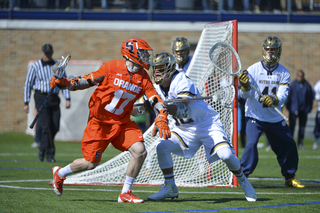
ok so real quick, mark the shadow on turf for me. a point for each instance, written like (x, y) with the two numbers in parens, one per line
(221, 200)
(280, 184)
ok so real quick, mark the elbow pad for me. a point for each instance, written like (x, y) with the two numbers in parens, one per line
(140, 111)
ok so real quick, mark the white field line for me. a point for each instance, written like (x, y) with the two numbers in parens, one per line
(77, 155)
(36, 154)
(146, 191)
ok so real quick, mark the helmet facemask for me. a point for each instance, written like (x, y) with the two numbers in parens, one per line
(165, 64)
(144, 56)
(137, 51)
(273, 46)
(181, 49)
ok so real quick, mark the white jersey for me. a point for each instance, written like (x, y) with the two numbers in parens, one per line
(317, 94)
(185, 66)
(269, 82)
(200, 114)
(201, 127)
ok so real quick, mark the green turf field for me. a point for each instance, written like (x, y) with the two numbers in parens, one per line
(24, 185)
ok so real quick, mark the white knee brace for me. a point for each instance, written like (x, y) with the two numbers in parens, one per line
(164, 154)
(230, 159)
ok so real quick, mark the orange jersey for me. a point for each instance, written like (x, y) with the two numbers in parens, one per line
(113, 99)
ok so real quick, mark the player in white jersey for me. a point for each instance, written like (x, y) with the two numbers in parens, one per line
(197, 123)
(317, 126)
(181, 50)
(272, 79)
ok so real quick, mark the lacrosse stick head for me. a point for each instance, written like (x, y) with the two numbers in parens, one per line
(225, 58)
(59, 67)
(225, 96)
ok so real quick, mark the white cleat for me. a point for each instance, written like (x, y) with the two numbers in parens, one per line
(35, 145)
(315, 146)
(128, 197)
(249, 191)
(166, 191)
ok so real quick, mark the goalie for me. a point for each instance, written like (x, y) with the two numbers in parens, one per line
(119, 84)
(197, 124)
(272, 79)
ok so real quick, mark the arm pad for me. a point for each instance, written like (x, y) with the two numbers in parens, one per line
(140, 111)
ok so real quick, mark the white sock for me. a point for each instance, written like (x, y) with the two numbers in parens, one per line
(63, 172)
(128, 182)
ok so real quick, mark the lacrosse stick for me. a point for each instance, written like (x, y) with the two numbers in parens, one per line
(224, 96)
(222, 51)
(57, 70)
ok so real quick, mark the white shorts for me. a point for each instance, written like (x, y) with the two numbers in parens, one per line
(190, 142)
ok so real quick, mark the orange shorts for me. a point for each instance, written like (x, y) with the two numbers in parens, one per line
(97, 137)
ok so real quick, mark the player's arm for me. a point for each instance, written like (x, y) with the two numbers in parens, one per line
(178, 110)
(30, 80)
(161, 111)
(139, 110)
(281, 96)
(244, 79)
(317, 95)
(79, 82)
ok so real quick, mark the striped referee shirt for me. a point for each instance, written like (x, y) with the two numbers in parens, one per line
(38, 78)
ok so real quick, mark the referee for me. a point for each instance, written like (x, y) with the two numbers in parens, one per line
(38, 79)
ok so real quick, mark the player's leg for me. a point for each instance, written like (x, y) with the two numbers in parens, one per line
(249, 159)
(283, 145)
(37, 132)
(54, 104)
(127, 140)
(303, 117)
(225, 154)
(45, 123)
(292, 121)
(220, 147)
(139, 154)
(78, 165)
(92, 149)
(60, 173)
(164, 150)
(316, 131)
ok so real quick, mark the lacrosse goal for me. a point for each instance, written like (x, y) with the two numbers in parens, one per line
(194, 172)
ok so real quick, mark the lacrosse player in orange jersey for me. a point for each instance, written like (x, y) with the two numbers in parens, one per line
(119, 84)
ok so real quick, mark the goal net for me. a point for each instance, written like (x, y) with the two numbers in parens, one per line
(194, 172)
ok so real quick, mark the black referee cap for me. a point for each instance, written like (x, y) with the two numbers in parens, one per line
(47, 48)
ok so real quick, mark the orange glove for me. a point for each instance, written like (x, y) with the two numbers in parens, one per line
(60, 82)
(161, 125)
